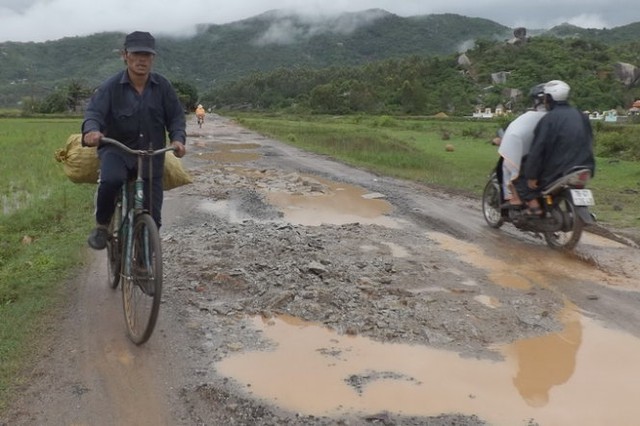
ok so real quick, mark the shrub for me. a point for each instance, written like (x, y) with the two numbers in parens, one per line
(621, 142)
(384, 121)
(474, 132)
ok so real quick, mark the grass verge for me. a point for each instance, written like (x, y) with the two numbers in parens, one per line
(44, 221)
(416, 149)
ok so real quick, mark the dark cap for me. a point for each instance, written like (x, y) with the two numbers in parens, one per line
(139, 41)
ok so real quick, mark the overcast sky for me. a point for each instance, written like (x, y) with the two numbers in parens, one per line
(41, 20)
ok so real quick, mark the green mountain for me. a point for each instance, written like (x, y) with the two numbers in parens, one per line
(222, 53)
(618, 35)
(219, 54)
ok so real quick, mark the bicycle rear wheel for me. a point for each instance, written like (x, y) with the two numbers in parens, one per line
(142, 287)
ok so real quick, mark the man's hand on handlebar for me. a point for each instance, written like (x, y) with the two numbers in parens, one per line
(92, 138)
(180, 149)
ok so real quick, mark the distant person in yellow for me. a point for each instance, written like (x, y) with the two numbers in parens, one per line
(200, 114)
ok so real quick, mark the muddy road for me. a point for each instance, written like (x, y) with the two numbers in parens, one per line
(301, 291)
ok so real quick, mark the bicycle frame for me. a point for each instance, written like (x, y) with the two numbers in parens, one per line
(134, 253)
(128, 212)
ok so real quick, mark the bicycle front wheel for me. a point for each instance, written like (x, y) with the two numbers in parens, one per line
(114, 251)
(142, 287)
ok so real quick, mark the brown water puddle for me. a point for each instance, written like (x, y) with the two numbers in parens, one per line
(563, 378)
(232, 153)
(527, 267)
(585, 374)
(338, 204)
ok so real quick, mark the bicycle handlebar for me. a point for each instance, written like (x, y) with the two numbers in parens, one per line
(143, 152)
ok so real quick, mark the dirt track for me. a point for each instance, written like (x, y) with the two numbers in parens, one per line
(301, 291)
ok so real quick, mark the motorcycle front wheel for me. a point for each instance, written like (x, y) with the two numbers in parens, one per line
(572, 225)
(491, 201)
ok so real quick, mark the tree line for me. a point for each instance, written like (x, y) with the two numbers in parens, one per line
(422, 85)
(413, 85)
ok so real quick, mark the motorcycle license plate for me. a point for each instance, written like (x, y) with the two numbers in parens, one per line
(582, 197)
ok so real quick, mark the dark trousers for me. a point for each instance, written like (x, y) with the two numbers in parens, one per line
(114, 172)
(525, 193)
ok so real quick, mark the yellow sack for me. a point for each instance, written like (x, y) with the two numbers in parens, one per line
(174, 175)
(81, 165)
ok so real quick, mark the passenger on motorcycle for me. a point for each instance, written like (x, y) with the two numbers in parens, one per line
(563, 139)
(516, 143)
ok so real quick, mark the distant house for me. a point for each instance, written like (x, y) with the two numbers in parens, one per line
(611, 116)
(595, 115)
(635, 108)
(483, 113)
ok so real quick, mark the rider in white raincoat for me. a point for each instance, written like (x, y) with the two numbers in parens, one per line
(516, 142)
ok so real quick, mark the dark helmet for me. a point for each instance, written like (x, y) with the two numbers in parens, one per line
(537, 95)
(537, 92)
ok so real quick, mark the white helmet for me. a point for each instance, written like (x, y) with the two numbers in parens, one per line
(558, 90)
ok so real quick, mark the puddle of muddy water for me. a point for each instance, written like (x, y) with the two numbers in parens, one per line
(585, 375)
(335, 204)
(230, 156)
(232, 153)
(339, 204)
(525, 268)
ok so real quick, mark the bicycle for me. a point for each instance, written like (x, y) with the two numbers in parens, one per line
(134, 253)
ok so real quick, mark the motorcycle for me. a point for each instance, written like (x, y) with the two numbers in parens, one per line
(565, 204)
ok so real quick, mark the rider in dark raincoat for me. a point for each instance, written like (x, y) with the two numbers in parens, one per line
(563, 139)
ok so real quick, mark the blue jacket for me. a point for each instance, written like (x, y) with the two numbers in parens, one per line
(140, 121)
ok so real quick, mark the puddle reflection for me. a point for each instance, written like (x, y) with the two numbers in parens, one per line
(546, 361)
(562, 378)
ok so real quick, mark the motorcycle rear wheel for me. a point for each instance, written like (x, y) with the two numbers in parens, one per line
(491, 201)
(565, 240)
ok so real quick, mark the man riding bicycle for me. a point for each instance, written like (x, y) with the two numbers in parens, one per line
(137, 107)
(200, 114)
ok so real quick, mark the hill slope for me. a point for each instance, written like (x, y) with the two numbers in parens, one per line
(218, 54)
(221, 53)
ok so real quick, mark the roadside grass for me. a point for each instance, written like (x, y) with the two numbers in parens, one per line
(414, 149)
(408, 149)
(44, 220)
